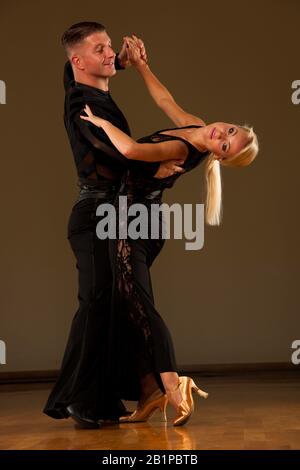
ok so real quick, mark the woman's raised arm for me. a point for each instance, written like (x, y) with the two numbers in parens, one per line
(159, 92)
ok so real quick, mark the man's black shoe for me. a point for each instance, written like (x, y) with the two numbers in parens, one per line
(83, 416)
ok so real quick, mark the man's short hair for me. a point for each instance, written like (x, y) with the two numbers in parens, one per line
(78, 32)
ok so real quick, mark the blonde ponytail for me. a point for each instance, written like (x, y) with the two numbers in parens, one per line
(213, 208)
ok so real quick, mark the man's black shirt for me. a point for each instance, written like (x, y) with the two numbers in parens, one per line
(95, 157)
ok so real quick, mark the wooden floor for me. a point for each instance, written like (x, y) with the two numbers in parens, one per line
(258, 412)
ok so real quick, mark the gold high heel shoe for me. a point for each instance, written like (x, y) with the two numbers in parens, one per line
(186, 407)
(157, 400)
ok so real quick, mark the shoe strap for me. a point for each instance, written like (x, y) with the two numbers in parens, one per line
(176, 388)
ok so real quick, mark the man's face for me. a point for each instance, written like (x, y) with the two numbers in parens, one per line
(95, 56)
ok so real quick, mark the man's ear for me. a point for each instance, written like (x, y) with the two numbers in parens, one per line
(76, 62)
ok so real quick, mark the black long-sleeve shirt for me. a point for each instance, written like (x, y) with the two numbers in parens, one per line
(96, 158)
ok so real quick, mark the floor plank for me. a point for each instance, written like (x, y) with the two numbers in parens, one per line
(258, 412)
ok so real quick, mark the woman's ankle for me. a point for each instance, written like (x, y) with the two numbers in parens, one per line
(170, 381)
(148, 395)
(148, 386)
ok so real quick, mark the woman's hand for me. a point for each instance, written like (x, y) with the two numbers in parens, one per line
(140, 43)
(123, 56)
(134, 53)
(91, 117)
(169, 168)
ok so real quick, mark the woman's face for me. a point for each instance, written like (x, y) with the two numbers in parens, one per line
(224, 139)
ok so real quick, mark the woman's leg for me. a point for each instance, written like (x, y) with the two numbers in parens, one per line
(154, 346)
(144, 252)
(170, 381)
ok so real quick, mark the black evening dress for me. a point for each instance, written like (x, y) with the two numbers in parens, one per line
(140, 342)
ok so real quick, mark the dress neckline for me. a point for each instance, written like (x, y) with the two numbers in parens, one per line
(161, 132)
(174, 128)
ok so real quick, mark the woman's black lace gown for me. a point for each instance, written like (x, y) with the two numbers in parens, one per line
(140, 342)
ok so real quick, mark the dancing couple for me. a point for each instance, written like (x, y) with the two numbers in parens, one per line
(119, 347)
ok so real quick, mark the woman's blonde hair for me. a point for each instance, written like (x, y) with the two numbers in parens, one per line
(213, 208)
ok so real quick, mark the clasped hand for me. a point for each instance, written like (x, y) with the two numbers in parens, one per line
(132, 52)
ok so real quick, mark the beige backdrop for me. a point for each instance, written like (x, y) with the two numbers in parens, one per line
(234, 301)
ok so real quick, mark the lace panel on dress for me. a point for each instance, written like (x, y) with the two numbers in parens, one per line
(127, 289)
(133, 305)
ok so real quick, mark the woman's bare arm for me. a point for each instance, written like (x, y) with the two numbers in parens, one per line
(152, 152)
(165, 100)
(159, 92)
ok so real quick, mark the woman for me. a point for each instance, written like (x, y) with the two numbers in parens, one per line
(151, 373)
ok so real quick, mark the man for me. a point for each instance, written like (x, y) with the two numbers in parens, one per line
(82, 389)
